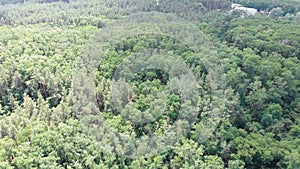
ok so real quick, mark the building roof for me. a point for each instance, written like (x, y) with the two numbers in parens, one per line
(233, 5)
(249, 11)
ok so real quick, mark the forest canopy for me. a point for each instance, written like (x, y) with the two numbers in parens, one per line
(149, 84)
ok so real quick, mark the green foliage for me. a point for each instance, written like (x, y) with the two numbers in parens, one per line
(47, 87)
(288, 6)
(269, 35)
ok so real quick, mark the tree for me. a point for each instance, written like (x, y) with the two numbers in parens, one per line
(276, 12)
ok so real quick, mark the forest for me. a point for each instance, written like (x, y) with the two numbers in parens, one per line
(166, 84)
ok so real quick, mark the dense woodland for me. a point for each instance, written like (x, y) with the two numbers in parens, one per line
(47, 63)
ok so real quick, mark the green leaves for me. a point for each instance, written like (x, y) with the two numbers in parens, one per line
(42, 95)
(264, 36)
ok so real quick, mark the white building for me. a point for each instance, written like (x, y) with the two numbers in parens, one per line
(246, 11)
(233, 5)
